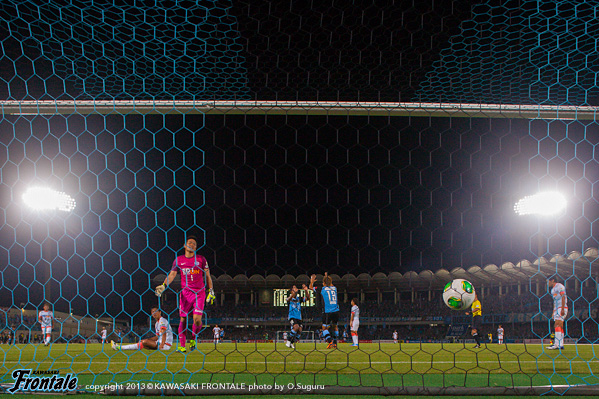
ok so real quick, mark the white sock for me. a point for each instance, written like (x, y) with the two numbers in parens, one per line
(47, 341)
(130, 347)
(559, 339)
(355, 339)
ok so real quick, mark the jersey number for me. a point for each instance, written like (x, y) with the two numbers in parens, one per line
(332, 297)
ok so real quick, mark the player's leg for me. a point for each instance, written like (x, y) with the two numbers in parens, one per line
(198, 313)
(186, 302)
(289, 341)
(326, 335)
(296, 331)
(182, 334)
(558, 323)
(354, 333)
(476, 337)
(48, 335)
(559, 334)
(151, 343)
(334, 319)
(196, 329)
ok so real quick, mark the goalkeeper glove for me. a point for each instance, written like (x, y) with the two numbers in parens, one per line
(160, 289)
(211, 297)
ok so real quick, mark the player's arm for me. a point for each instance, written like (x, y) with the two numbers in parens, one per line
(167, 281)
(351, 321)
(163, 338)
(307, 291)
(312, 281)
(293, 294)
(563, 304)
(209, 280)
(210, 297)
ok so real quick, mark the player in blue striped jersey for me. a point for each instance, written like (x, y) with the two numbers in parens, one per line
(330, 317)
(295, 314)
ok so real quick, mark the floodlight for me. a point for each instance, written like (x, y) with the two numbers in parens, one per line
(42, 198)
(544, 204)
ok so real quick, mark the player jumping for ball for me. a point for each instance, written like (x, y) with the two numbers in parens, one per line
(330, 316)
(295, 315)
(560, 311)
(163, 340)
(193, 290)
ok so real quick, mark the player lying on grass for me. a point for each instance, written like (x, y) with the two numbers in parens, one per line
(162, 341)
(192, 298)
(330, 317)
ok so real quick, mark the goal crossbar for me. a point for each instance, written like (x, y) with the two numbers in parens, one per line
(419, 109)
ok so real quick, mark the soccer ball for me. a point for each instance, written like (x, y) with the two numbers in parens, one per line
(459, 294)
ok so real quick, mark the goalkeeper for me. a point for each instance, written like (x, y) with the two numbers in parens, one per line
(193, 290)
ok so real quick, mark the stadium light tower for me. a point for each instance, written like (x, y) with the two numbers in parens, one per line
(42, 199)
(545, 204)
(541, 204)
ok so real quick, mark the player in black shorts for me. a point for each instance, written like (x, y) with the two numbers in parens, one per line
(477, 318)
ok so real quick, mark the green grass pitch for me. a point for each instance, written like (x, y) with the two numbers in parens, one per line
(382, 364)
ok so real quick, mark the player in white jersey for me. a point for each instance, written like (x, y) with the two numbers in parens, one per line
(216, 331)
(354, 322)
(395, 336)
(103, 335)
(45, 319)
(163, 340)
(560, 311)
(285, 336)
(500, 334)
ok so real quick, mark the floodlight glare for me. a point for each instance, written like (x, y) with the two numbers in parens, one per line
(545, 204)
(41, 198)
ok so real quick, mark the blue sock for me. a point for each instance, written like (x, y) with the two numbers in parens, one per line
(326, 335)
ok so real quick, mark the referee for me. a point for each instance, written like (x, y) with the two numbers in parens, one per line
(477, 318)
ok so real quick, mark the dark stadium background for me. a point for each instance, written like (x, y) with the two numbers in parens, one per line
(291, 194)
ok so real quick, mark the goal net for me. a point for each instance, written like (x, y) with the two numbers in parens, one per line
(385, 145)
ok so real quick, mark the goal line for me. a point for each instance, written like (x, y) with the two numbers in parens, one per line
(417, 109)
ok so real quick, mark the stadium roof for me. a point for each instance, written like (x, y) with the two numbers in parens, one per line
(575, 264)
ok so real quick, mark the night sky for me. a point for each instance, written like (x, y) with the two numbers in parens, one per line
(270, 194)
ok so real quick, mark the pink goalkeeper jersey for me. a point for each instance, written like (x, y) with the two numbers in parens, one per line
(192, 272)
